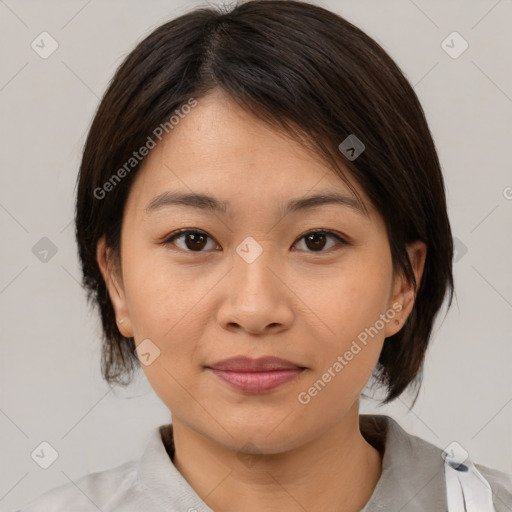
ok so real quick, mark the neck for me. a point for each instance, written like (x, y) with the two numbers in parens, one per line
(338, 470)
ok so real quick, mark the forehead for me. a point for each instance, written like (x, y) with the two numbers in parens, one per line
(222, 150)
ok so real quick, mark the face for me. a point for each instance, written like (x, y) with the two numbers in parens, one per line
(312, 285)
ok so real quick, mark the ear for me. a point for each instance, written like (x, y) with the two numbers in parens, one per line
(114, 283)
(403, 295)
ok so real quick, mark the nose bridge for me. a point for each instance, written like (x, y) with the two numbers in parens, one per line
(253, 262)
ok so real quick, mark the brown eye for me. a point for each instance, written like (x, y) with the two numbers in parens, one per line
(315, 241)
(191, 240)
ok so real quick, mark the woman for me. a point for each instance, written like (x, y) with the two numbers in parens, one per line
(261, 221)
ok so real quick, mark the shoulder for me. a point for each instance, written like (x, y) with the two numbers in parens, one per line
(89, 493)
(145, 483)
(414, 471)
(501, 485)
(500, 482)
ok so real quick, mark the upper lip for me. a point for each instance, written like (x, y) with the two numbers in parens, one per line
(247, 364)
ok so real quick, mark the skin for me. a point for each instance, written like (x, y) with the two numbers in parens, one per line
(293, 302)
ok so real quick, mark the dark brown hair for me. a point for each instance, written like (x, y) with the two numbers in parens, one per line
(313, 75)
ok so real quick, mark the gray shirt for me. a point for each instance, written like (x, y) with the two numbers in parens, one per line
(412, 479)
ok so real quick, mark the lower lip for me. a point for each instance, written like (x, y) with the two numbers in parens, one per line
(257, 382)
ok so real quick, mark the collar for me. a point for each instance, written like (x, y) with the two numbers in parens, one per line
(412, 478)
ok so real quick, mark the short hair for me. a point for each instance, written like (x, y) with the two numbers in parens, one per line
(311, 74)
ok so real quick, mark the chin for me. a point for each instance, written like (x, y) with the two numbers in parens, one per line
(260, 438)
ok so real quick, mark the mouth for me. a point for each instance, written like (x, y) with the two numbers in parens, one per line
(255, 375)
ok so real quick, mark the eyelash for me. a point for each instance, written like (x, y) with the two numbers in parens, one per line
(177, 234)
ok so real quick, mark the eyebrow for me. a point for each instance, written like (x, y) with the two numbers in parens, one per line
(209, 203)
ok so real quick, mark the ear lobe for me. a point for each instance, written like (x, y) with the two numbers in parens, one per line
(115, 289)
(404, 295)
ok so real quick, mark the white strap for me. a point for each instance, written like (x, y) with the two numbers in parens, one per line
(467, 490)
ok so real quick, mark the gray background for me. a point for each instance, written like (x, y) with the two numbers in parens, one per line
(51, 388)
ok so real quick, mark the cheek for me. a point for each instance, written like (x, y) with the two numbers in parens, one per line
(348, 358)
(160, 298)
(353, 306)
(165, 308)
(355, 298)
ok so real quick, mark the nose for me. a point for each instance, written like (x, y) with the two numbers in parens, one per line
(256, 298)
